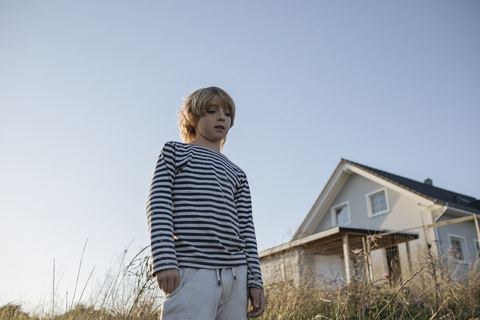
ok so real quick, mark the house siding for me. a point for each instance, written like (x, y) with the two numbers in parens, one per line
(283, 266)
(327, 269)
(404, 212)
(465, 230)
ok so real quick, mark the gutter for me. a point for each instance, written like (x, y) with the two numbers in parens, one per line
(445, 208)
(453, 206)
(437, 235)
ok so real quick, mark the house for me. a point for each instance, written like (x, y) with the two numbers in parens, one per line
(415, 220)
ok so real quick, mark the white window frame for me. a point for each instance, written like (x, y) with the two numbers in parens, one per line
(465, 260)
(334, 214)
(369, 202)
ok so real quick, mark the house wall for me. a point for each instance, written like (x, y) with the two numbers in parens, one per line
(327, 269)
(404, 212)
(283, 266)
(405, 259)
(331, 267)
(379, 263)
(464, 230)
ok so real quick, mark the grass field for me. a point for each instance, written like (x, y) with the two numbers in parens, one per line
(435, 291)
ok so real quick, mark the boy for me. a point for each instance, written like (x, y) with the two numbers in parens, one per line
(199, 213)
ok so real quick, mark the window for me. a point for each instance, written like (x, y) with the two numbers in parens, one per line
(340, 215)
(457, 244)
(377, 202)
(478, 248)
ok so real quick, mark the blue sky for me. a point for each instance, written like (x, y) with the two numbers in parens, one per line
(89, 93)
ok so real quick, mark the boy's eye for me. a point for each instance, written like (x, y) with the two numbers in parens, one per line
(210, 111)
(227, 114)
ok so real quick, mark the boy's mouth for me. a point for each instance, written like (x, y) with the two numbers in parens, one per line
(220, 127)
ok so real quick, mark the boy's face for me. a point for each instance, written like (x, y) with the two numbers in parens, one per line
(215, 124)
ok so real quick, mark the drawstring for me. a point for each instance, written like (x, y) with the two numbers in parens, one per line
(218, 277)
(234, 271)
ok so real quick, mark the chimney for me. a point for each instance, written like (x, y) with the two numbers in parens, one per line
(428, 181)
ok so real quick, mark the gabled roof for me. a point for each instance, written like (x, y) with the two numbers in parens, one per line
(423, 189)
(419, 190)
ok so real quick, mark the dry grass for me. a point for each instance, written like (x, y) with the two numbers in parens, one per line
(437, 290)
(126, 293)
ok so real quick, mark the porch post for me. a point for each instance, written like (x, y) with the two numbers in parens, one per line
(346, 256)
(476, 226)
(368, 257)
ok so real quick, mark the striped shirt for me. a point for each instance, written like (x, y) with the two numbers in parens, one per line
(200, 214)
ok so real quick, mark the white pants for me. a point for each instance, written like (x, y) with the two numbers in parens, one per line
(200, 297)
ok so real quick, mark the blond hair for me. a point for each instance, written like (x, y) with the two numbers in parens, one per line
(195, 106)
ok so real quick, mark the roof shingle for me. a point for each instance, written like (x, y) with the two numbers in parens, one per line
(429, 191)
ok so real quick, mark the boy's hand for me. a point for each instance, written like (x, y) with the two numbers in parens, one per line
(257, 300)
(168, 280)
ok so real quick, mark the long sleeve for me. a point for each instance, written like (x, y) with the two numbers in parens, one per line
(243, 203)
(160, 211)
(200, 214)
